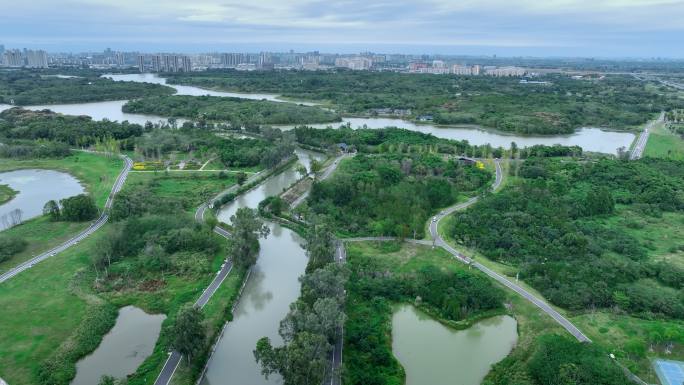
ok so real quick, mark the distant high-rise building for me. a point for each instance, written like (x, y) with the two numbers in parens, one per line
(157, 63)
(141, 63)
(119, 58)
(13, 58)
(36, 59)
(187, 64)
(2, 49)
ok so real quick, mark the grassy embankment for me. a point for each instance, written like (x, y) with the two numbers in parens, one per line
(663, 143)
(97, 173)
(6, 193)
(57, 316)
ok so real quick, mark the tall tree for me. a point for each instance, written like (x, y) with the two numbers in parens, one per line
(248, 228)
(301, 362)
(188, 333)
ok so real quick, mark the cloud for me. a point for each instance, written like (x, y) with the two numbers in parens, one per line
(627, 27)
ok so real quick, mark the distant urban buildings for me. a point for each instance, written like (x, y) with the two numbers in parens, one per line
(241, 61)
(24, 58)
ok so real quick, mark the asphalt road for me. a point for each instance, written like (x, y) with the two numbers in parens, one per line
(175, 358)
(438, 241)
(325, 175)
(640, 145)
(118, 184)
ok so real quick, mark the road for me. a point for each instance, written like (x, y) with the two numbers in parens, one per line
(325, 175)
(438, 241)
(118, 184)
(175, 358)
(641, 142)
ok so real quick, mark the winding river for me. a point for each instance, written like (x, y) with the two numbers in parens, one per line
(36, 187)
(590, 139)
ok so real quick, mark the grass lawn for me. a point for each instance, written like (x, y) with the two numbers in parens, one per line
(41, 309)
(628, 338)
(662, 143)
(6, 193)
(96, 172)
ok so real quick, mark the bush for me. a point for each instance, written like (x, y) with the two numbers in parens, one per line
(10, 246)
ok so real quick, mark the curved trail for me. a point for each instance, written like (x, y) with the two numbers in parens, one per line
(104, 217)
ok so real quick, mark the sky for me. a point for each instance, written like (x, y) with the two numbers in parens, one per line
(570, 28)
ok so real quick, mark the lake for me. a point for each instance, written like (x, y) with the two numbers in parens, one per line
(35, 188)
(123, 349)
(434, 354)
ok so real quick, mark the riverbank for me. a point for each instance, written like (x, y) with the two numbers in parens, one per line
(97, 173)
(7, 193)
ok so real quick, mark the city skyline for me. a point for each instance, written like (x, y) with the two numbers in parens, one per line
(567, 28)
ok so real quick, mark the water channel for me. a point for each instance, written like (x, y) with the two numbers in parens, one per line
(123, 349)
(272, 286)
(590, 139)
(36, 187)
(434, 354)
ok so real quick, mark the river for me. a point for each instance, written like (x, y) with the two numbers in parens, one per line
(35, 188)
(272, 286)
(123, 349)
(590, 139)
(434, 354)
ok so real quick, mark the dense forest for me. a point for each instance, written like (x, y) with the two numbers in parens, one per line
(392, 139)
(561, 105)
(392, 194)
(550, 225)
(47, 126)
(377, 282)
(557, 360)
(27, 87)
(235, 111)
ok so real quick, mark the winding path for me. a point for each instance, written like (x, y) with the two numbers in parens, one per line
(104, 217)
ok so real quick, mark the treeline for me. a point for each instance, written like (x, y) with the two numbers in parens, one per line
(375, 285)
(560, 106)
(557, 360)
(18, 123)
(232, 151)
(392, 139)
(236, 112)
(314, 322)
(392, 194)
(549, 224)
(28, 87)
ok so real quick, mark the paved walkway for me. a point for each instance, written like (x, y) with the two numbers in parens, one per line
(104, 217)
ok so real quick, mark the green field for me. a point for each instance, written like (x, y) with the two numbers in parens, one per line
(53, 301)
(41, 308)
(193, 188)
(662, 143)
(97, 173)
(6, 193)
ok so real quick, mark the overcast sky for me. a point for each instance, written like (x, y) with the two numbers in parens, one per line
(597, 28)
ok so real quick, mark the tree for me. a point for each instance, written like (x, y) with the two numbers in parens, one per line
(315, 166)
(241, 178)
(51, 209)
(320, 246)
(78, 208)
(301, 362)
(188, 333)
(107, 380)
(10, 245)
(248, 228)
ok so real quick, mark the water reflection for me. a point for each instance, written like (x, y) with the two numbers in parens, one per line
(434, 354)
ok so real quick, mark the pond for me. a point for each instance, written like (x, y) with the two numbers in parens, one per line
(123, 349)
(434, 354)
(35, 188)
